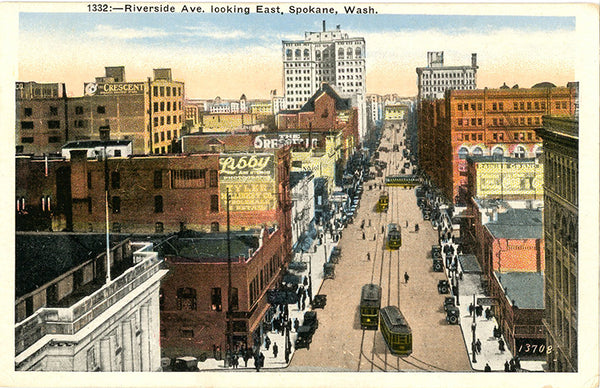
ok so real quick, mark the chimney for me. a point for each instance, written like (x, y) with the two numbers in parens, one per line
(474, 60)
(323, 25)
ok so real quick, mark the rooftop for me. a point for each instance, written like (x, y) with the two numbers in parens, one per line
(95, 143)
(524, 290)
(297, 176)
(469, 264)
(340, 103)
(517, 224)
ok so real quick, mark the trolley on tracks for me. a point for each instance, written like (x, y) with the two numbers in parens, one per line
(396, 331)
(394, 237)
(370, 303)
(383, 203)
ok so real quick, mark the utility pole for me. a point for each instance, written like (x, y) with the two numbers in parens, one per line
(108, 279)
(229, 311)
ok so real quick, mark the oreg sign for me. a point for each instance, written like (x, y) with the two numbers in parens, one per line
(113, 88)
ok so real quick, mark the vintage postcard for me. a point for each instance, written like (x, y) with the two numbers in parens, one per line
(300, 194)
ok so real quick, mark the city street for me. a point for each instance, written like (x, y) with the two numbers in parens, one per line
(339, 343)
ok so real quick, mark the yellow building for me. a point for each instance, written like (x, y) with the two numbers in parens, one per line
(394, 111)
(506, 178)
(261, 108)
(321, 163)
(226, 122)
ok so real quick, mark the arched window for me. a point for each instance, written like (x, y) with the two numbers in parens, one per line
(463, 152)
(539, 152)
(318, 55)
(477, 151)
(349, 53)
(498, 151)
(341, 53)
(358, 52)
(306, 53)
(288, 54)
(297, 54)
(519, 152)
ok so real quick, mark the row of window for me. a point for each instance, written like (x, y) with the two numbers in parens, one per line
(443, 89)
(444, 82)
(51, 124)
(261, 280)
(162, 136)
(341, 54)
(474, 121)
(519, 152)
(162, 107)
(517, 105)
(51, 139)
(499, 136)
(448, 75)
(166, 91)
(165, 119)
(179, 178)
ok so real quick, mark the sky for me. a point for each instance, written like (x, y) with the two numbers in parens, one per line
(229, 54)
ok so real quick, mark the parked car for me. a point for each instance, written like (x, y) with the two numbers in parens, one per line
(443, 286)
(452, 315)
(185, 364)
(319, 301)
(304, 337)
(449, 302)
(310, 320)
(438, 265)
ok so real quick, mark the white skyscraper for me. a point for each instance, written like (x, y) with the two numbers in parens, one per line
(435, 79)
(326, 56)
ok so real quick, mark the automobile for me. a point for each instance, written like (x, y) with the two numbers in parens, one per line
(452, 315)
(436, 252)
(438, 265)
(310, 320)
(443, 286)
(304, 337)
(426, 214)
(185, 364)
(449, 302)
(319, 301)
(396, 148)
(407, 165)
(336, 253)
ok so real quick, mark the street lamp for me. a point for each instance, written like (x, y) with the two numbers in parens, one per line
(473, 328)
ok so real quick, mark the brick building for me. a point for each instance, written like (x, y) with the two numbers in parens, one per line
(194, 296)
(483, 123)
(149, 113)
(561, 220)
(42, 124)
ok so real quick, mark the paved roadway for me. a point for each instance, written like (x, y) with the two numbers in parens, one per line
(339, 344)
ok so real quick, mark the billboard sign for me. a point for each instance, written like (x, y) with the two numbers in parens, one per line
(250, 179)
(113, 88)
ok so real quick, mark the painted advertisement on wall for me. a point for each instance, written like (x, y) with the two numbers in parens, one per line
(250, 179)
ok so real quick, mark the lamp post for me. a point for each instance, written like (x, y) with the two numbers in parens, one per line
(473, 328)
(229, 311)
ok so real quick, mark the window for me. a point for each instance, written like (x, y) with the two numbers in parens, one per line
(214, 203)
(477, 151)
(500, 121)
(53, 124)
(169, 104)
(162, 106)
(155, 91)
(215, 299)
(162, 120)
(479, 122)
(157, 179)
(116, 205)
(536, 105)
(181, 179)
(156, 107)
(543, 104)
(116, 227)
(466, 106)
(101, 109)
(463, 152)
(187, 333)
(159, 227)
(516, 106)
(460, 123)
(115, 180)
(27, 140)
(213, 178)
(529, 121)
(54, 139)
(156, 137)
(89, 180)
(500, 106)
(186, 298)
(214, 227)
(26, 124)
(522, 105)
(155, 121)
(168, 91)
(158, 204)
(494, 122)
(79, 123)
(162, 91)
(519, 152)
(27, 112)
(498, 151)
(557, 105)
(234, 299)
(460, 106)
(89, 202)
(564, 105)
(473, 106)
(92, 365)
(473, 122)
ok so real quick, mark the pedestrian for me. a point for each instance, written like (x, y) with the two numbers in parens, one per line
(257, 362)
(417, 228)
(495, 332)
(517, 362)
(246, 358)
(511, 365)
(478, 345)
(479, 310)
(303, 304)
(407, 223)
(501, 345)
(460, 275)
(214, 351)
(234, 361)
(368, 256)
(382, 229)
(406, 277)
(296, 324)
(506, 366)
(470, 309)
(261, 359)
(275, 349)
(487, 313)
(267, 342)
(487, 368)
(363, 235)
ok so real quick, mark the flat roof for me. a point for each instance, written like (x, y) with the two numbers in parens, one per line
(517, 224)
(526, 289)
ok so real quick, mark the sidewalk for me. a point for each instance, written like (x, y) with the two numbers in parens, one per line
(317, 260)
(490, 352)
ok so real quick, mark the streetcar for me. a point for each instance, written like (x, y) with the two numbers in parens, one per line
(370, 302)
(406, 181)
(395, 331)
(383, 203)
(394, 237)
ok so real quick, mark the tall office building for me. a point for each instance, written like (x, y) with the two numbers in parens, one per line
(561, 215)
(325, 56)
(435, 79)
